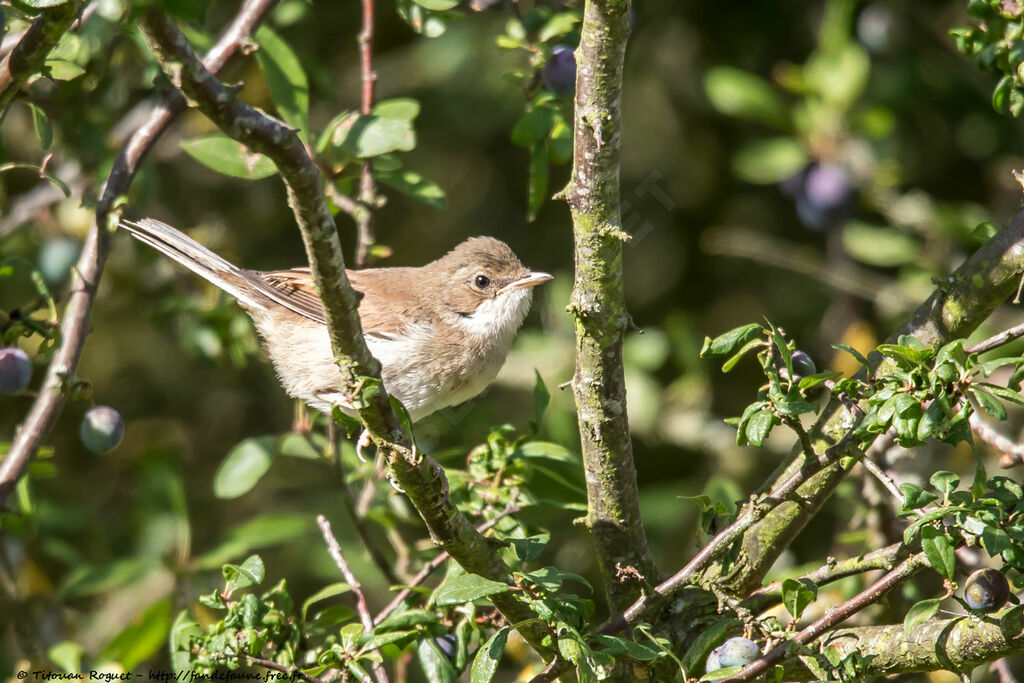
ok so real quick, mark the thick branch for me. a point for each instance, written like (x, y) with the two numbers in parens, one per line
(598, 306)
(958, 644)
(29, 55)
(421, 477)
(954, 310)
(88, 270)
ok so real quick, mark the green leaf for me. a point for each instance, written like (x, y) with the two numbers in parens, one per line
(939, 551)
(437, 5)
(731, 341)
(919, 613)
(289, 88)
(538, 188)
(541, 399)
(249, 573)
(366, 136)
(744, 95)
(95, 579)
(916, 497)
(811, 381)
(263, 531)
(558, 25)
(414, 185)
(436, 667)
(467, 588)
(879, 246)
(1001, 93)
(855, 353)
(725, 672)
(407, 619)
(41, 125)
(1004, 393)
(770, 160)
(529, 549)
(989, 403)
(404, 108)
(945, 481)
(324, 593)
(485, 663)
(994, 540)
(731, 363)
(54, 180)
(227, 156)
(533, 127)
(760, 426)
(797, 594)
(67, 655)
(243, 467)
(143, 638)
(910, 533)
(63, 70)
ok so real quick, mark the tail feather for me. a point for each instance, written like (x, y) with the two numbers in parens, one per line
(197, 258)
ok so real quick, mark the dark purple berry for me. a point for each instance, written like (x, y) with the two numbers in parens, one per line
(102, 429)
(986, 590)
(738, 651)
(559, 74)
(446, 644)
(803, 365)
(824, 193)
(15, 371)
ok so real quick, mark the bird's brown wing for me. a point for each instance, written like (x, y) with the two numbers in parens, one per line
(390, 304)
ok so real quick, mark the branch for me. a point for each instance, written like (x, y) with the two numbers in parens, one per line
(1013, 452)
(613, 514)
(953, 311)
(367, 189)
(835, 616)
(334, 548)
(29, 55)
(997, 340)
(75, 324)
(421, 477)
(957, 644)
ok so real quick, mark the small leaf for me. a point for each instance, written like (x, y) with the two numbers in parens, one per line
(404, 108)
(855, 353)
(769, 160)
(916, 497)
(759, 426)
(67, 654)
(485, 664)
(532, 127)
(437, 5)
(945, 481)
(558, 25)
(322, 594)
(989, 403)
(541, 399)
(919, 613)
(289, 87)
(731, 363)
(467, 588)
(243, 467)
(529, 549)
(227, 156)
(731, 341)
(742, 94)
(63, 70)
(538, 188)
(414, 185)
(797, 594)
(41, 125)
(250, 573)
(436, 667)
(939, 551)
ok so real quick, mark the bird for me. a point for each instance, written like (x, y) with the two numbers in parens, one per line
(440, 331)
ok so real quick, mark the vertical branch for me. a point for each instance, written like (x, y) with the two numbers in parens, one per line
(75, 324)
(367, 190)
(29, 55)
(598, 305)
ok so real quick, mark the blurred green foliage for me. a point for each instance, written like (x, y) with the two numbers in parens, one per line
(815, 163)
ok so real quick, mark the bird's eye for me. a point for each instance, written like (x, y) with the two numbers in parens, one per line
(482, 281)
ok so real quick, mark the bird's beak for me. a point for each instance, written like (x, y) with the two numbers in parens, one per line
(526, 281)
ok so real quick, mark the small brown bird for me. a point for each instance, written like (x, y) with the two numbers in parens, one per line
(441, 331)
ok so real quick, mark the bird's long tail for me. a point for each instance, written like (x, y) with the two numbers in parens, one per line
(180, 247)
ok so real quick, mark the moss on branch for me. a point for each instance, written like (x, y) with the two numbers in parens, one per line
(29, 56)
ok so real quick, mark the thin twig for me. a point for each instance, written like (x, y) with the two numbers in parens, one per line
(883, 477)
(435, 563)
(1013, 452)
(75, 325)
(1002, 669)
(334, 548)
(367, 188)
(997, 340)
(835, 616)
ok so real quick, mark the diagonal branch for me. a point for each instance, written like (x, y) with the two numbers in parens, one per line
(75, 324)
(598, 306)
(29, 55)
(421, 477)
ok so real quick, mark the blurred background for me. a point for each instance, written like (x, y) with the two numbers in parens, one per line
(813, 163)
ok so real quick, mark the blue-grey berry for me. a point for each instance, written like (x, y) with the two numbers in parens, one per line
(15, 371)
(102, 429)
(713, 663)
(446, 644)
(559, 74)
(738, 651)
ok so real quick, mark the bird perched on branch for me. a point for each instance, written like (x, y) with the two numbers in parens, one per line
(440, 331)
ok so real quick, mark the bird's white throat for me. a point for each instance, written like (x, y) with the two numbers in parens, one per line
(497, 317)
